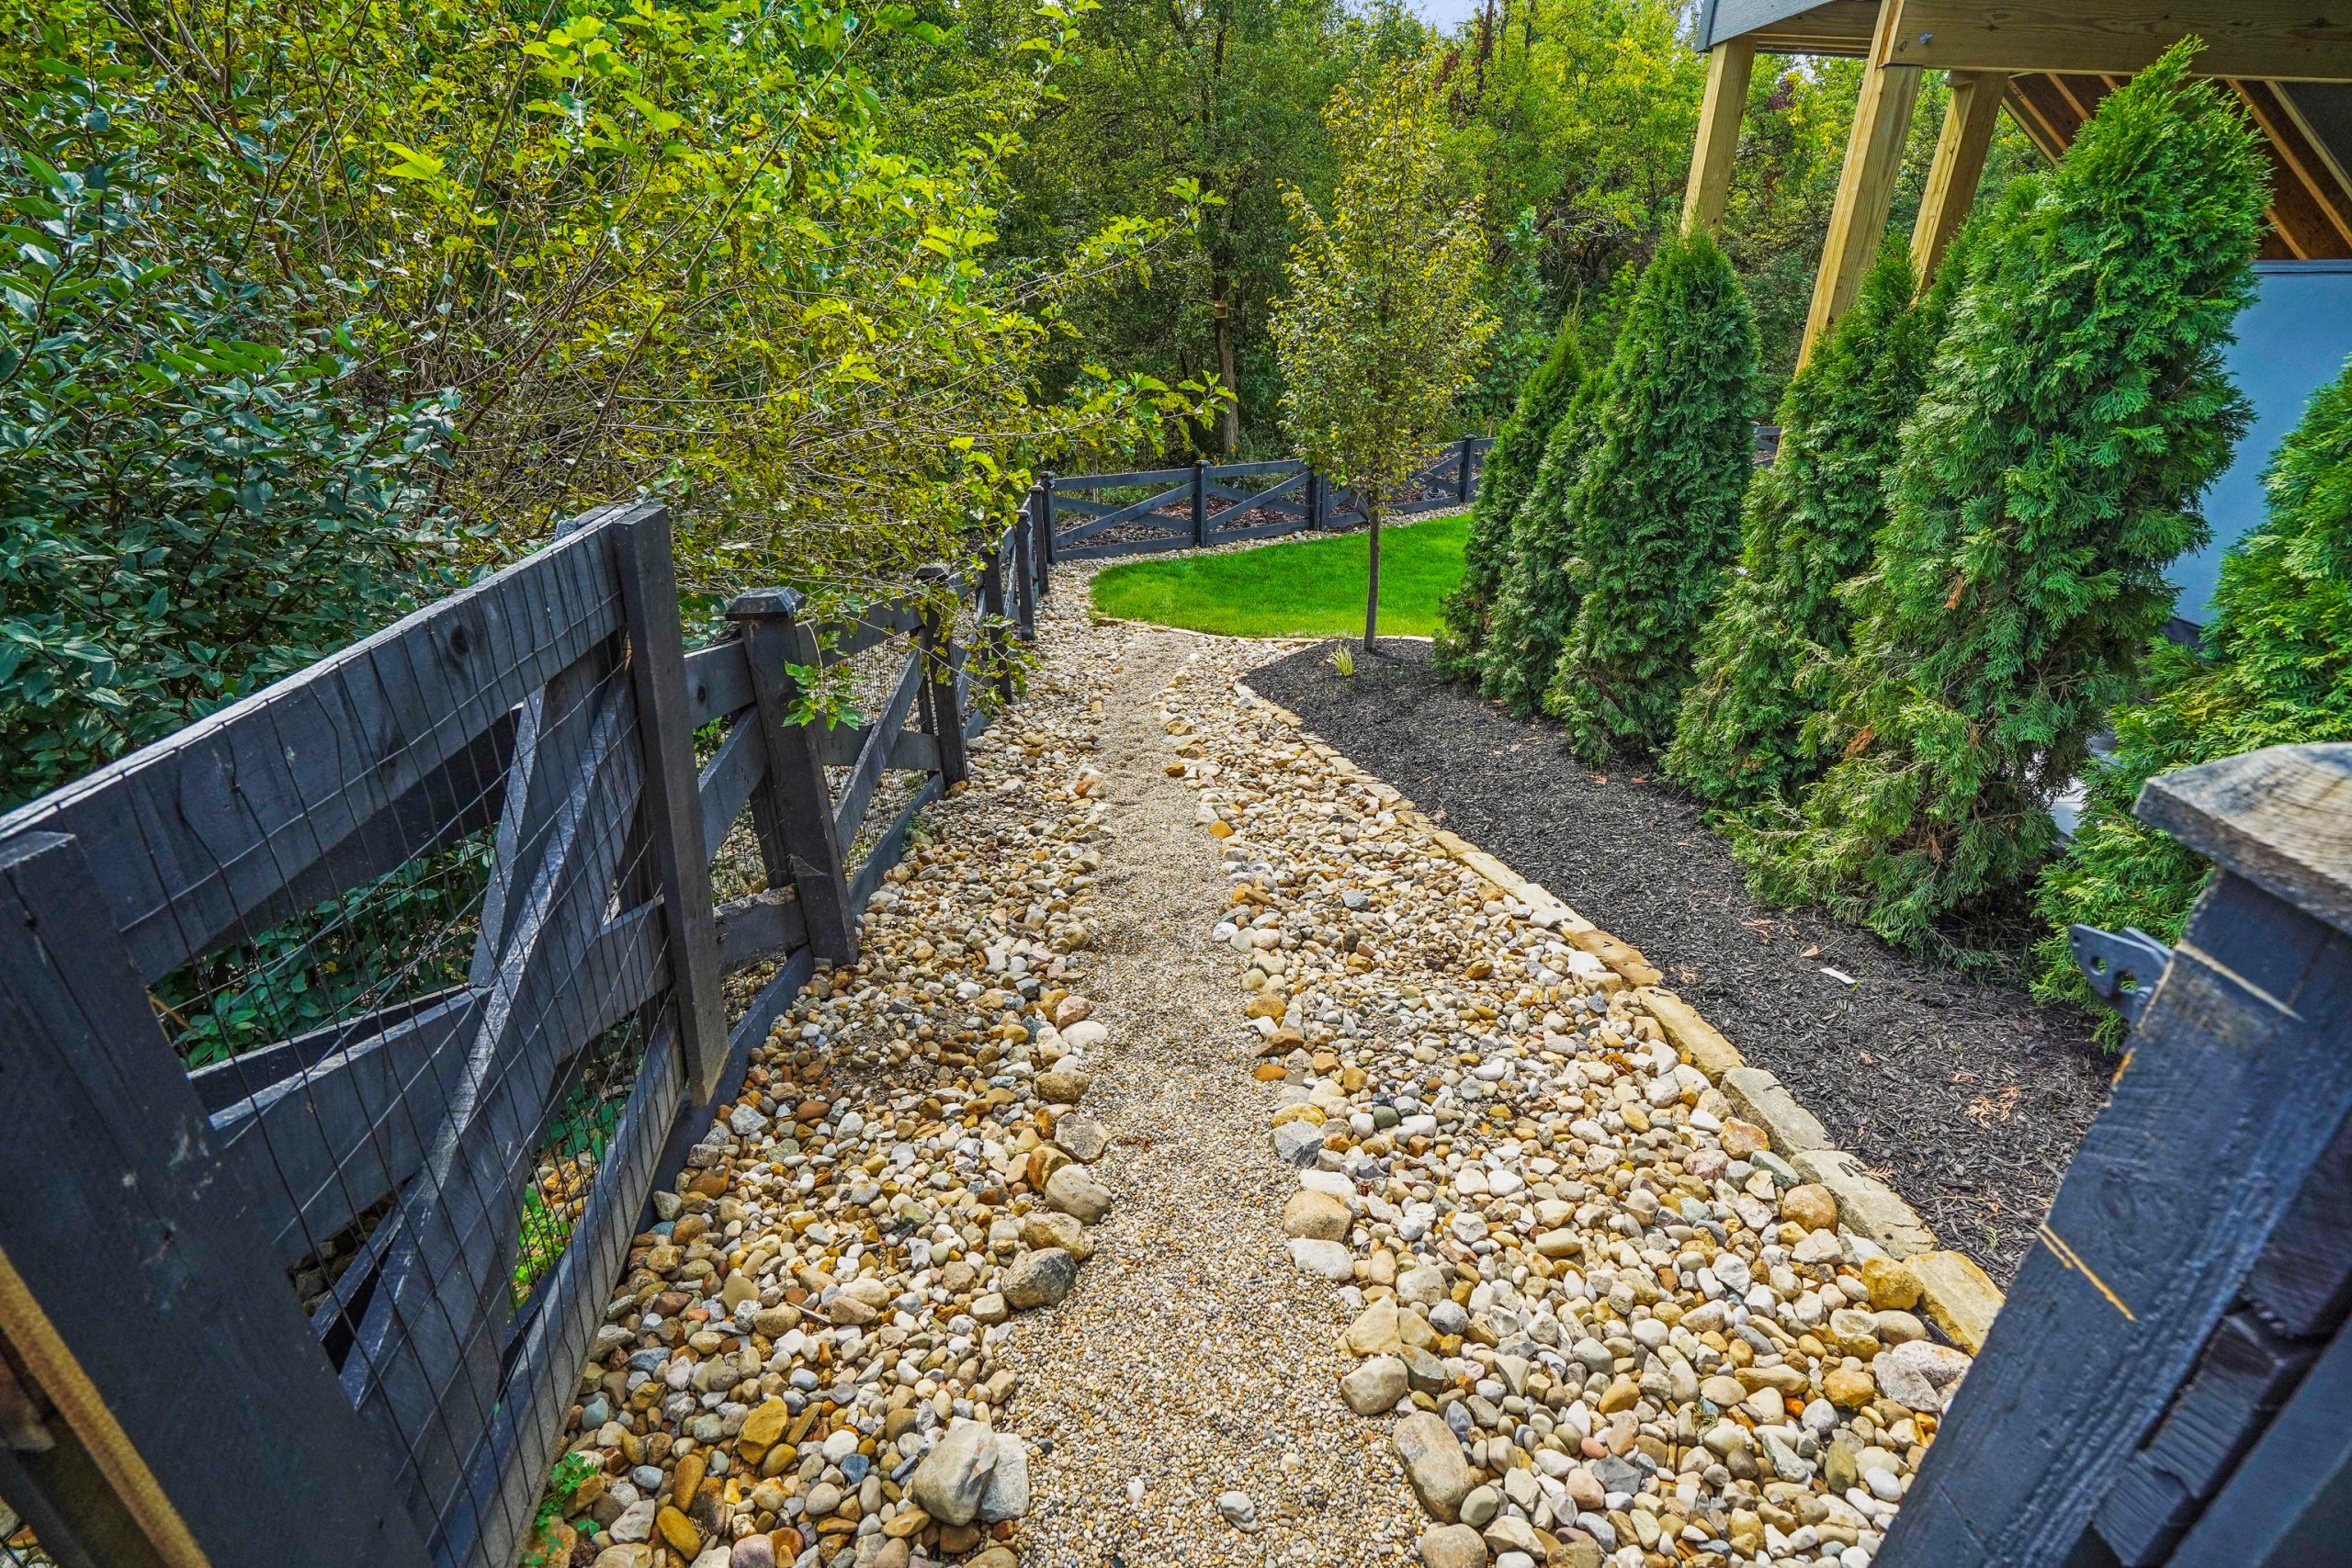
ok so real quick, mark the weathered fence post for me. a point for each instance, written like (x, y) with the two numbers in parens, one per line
(1314, 501)
(990, 605)
(1200, 502)
(2194, 1274)
(672, 805)
(1025, 566)
(943, 714)
(1045, 523)
(794, 810)
(1462, 475)
(177, 1396)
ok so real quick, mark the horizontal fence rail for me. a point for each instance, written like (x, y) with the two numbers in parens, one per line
(1184, 508)
(349, 1031)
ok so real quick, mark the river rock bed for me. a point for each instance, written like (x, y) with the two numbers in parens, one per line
(1610, 1322)
(1376, 1224)
(1956, 1089)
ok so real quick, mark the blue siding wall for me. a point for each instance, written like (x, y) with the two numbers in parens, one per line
(2291, 341)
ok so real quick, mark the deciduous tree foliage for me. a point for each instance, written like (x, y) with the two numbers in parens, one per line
(1810, 520)
(1656, 510)
(2076, 411)
(203, 487)
(1503, 486)
(2278, 671)
(300, 287)
(1384, 325)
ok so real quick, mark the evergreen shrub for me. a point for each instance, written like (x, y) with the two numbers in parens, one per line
(2280, 672)
(1655, 511)
(2077, 409)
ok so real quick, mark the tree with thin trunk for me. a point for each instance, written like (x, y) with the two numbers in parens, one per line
(1384, 326)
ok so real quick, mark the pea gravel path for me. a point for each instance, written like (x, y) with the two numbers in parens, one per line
(1194, 1358)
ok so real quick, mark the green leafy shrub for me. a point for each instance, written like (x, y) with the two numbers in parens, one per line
(202, 488)
(1503, 485)
(1655, 509)
(2075, 411)
(2281, 672)
(1808, 527)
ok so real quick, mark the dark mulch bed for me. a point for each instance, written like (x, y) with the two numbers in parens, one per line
(1959, 1091)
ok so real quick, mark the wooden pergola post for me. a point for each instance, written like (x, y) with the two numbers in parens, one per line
(1967, 136)
(1865, 184)
(1729, 66)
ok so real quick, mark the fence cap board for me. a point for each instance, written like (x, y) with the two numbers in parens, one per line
(2279, 817)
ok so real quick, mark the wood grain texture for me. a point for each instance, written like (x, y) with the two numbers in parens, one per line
(128, 1174)
(1865, 188)
(2281, 818)
(673, 811)
(2290, 1505)
(194, 836)
(1970, 119)
(796, 791)
(2274, 39)
(2236, 1068)
(1723, 106)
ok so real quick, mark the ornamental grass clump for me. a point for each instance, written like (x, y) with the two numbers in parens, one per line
(2074, 412)
(1656, 510)
(2280, 672)
(1503, 486)
(1809, 523)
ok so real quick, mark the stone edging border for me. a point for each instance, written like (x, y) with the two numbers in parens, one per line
(1958, 1296)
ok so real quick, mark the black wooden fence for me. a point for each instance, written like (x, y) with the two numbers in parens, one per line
(1182, 509)
(2170, 1380)
(344, 1034)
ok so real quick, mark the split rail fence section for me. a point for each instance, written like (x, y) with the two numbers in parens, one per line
(345, 1035)
(2169, 1381)
(1227, 503)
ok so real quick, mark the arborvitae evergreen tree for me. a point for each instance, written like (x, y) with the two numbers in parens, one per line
(1503, 484)
(2074, 412)
(2281, 672)
(1656, 510)
(1535, 602)
(1809, 525)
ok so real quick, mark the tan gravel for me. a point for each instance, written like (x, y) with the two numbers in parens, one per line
(1193, 1359)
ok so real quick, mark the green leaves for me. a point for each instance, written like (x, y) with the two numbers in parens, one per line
(1654, 509)
(2277, 671)
(202, 492)
(2074, 411)
(1511, 470)
(1810, 520)
(1384, 326)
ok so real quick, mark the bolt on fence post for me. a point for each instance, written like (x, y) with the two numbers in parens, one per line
(794, 806)
(939, 679)
(1200, 502)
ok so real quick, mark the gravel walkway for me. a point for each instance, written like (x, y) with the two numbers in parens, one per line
(1200, 1166)
(1194, 1360)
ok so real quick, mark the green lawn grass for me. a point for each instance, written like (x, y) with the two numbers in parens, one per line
(1298, 587)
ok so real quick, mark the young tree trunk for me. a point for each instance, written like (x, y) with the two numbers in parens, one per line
(1372, 587)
